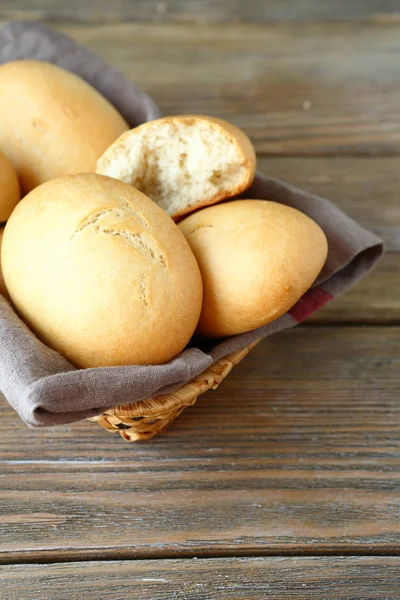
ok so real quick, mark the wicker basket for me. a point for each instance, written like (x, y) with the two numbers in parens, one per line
(144, 419)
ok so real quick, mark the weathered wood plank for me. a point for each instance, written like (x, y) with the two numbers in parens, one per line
(96, 11)
(298, 451)
(363, 578)
(301, 88)
(295, 88)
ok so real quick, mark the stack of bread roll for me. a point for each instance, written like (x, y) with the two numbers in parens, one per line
(125, 244)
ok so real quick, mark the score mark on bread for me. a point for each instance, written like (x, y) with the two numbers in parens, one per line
(128, 224)
(201, 226)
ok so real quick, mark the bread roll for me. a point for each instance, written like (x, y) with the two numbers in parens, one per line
(9, 188)
(100, 273)
(184, 162)
(257, 258)
(3, 289)
(52, 122)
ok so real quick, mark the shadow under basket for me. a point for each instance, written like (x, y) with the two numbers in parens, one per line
(144, 419)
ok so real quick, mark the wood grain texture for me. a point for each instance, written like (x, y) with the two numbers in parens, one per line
(298, 451)
(340, 578)
(96, 11)
(296, 88)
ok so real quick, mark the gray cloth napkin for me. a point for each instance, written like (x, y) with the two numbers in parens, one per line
(42, 386)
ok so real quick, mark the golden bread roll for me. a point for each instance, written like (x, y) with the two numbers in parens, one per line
(257, 258)
(52, 122)
(3, 289)
(100, 273)
(184, 162)
(9, 188)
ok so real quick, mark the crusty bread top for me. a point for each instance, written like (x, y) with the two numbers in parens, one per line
(183, 162)
(101, 273)
(9, 188)
(52, 122)
(257, 258)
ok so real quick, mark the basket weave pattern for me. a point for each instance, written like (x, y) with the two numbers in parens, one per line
(144, 419)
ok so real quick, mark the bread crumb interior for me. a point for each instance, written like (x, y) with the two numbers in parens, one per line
(179, 164)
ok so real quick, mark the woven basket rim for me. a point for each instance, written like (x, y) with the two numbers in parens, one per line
(142, 420)
(186, 394)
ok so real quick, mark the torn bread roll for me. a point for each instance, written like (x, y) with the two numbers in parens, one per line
(10, 193)
(100, 273)
(257, 258)
(52, 122)
(183, 163)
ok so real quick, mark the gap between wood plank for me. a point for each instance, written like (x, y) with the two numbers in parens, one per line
(97, 555)
(322, 154)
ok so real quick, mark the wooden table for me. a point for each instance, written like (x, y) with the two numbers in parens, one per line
(284, 483)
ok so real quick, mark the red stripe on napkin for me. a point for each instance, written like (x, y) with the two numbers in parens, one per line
(310, 302)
